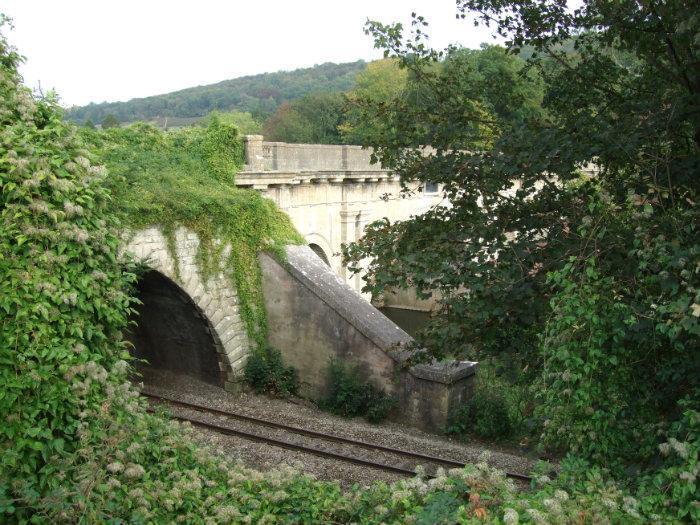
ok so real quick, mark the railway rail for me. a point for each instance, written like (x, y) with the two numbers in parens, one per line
(322, 450)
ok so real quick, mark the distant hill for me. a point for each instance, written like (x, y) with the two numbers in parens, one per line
(256, 94)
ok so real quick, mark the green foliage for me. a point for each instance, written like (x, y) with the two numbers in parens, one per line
(590, 277)
(77, 445)
(382, 82)
(678, 477)
(266, 373)
(110, 121)
(349, 395)
(590, 398)
(500, 407)
(259, 95)
(458, 105)
(487, 414)
(243, 121)
(312, 119)
(62, 291)
(186, 178)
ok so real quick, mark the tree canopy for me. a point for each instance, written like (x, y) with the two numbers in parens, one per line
(312, 119)
(569, 244)
(260, 95)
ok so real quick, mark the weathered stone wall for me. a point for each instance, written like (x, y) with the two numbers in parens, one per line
(313, 316)
(216, 297)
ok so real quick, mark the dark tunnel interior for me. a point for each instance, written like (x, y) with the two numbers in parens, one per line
(171, 333)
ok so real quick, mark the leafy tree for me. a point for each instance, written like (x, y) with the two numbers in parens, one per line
(381, 82)
(110, 121)
(243, 121)
(589, 278)
(312, 119)
(89, 124)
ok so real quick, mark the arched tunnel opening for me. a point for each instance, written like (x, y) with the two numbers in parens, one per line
(171, 333)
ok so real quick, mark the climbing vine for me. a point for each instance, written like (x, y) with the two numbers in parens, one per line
(186, 178)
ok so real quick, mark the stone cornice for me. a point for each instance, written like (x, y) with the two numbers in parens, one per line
(265, 179)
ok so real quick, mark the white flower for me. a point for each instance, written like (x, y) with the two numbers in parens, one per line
(113, 483)
(81, 236)
(72, 209)
(97, 171)
(687, 476)
(38, 206)
(536, 516)
(120, 367)
(34, 182)
(543, 480)
(82, 161)
(561, 495)
(510, 517)
(134, 471)
(680, 448)
(115, 467)
(552, 505)
(278, 496)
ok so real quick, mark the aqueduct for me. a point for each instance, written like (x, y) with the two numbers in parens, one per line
(315, 313)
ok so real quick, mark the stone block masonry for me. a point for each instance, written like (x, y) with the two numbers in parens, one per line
(215, 298)
(313, 316)
(331, 192)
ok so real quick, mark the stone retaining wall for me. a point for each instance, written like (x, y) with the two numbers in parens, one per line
(314, 316)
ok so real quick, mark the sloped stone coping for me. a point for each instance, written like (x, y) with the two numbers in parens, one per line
(303, 264)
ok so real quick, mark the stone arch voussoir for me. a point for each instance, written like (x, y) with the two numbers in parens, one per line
(216, 299)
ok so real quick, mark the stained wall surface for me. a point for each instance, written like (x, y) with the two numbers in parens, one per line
(314, 316)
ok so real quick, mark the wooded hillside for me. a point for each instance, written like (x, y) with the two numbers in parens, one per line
(259, 95)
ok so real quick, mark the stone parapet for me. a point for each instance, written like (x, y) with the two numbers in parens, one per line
(283, 156)
(314, 316)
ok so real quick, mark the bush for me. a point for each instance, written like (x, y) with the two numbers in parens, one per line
(486, 415)
(265, 372)
(496, 411)
(350, 396)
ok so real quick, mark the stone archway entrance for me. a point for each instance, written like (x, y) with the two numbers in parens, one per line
(171, 332)
(213, 300)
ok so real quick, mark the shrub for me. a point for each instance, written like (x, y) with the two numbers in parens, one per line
(349, 395)
(266, 372)
(486, 415)
(497, 409)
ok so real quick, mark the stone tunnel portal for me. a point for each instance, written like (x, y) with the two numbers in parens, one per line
(172, 333)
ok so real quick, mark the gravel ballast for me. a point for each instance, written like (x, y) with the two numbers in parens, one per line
(300, 413)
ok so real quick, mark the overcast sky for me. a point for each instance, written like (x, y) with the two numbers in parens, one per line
(99, 50)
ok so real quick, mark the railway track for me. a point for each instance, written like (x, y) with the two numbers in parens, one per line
(359, 452)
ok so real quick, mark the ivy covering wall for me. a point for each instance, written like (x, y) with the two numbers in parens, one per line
(186, 178)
